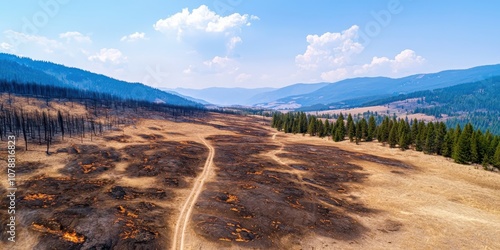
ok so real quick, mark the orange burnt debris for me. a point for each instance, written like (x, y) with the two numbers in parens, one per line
(73, 237)
(70, 236)
(248, 186)
(232, 198)
(127, 213)
(40, 196)
(87, 168)
(77, 150)
(256, 172)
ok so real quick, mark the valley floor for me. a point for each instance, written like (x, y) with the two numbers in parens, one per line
(234, 183)
(437, 204)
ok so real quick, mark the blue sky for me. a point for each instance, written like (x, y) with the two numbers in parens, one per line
(243, 43)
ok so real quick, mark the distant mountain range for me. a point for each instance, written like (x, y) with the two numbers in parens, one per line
(345, 93)
(24, 70)
(308, 97)
(380, 87)
(223, 96)
(291, 90)
(474, 102)
(247, 96)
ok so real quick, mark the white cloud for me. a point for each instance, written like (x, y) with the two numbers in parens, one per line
(6, 47)
(75, 36)
(243, 77)
(202, 19)
(404, 62)
(335, 75)
(217, 65)
(189, 70)
(334, 56)
(218, 62)
(47, 44)
(113, 56)
(134, 37)
(330, 49)
(232, 43)
(407, 59)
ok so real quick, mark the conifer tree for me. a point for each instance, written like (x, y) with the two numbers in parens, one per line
(440, 134)
(481, 146)
(364, 129)
(447, 149)
(474, 148)
(492, 147)
(351, 128)
(303, 123)
(359, 131)
(340, 127)
(496, 157)
(393, 136)
(333, 131)
(414, 131)
(430, 147)
(383, 133)
(456, 136)
(327, 129)
(372, 127)
(320, 128)
(421, 136)
(404, 135)
(311, 128)
(462, 151)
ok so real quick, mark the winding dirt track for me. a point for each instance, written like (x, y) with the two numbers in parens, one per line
(273, 153)
(187, 208)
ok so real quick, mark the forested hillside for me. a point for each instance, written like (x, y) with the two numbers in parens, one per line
(44, 126)
(24, 70)
(475, 102)
(381, 87)
(464, 144)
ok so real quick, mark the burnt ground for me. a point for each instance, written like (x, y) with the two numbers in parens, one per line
(257, 202)
(253, 200)
(83, 210)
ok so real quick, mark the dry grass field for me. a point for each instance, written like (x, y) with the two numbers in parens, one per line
(399, 108)
(231, 182)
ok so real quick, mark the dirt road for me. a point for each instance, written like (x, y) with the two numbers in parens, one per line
(187, 208)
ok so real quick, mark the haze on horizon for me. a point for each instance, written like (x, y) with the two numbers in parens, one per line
(169, 44)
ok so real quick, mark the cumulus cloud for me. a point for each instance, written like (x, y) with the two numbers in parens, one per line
(75, 36)
(335, 56)
(232, 43)
(189, 70)
(134, 37)
(216, 65)
(202, 19)
(243, 77)
(6, 47)
(330, 49)
(405, 60)
(48, 45)
(218, 62)
(113, 56)
(335, 75)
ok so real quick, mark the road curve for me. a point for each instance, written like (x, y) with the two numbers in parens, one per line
(187, 208)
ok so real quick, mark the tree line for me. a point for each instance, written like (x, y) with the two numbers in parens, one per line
(465, 145)
(46, 127)
(104, 112)
(91, 99)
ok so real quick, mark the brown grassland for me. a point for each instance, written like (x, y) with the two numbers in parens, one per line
(231, 182)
